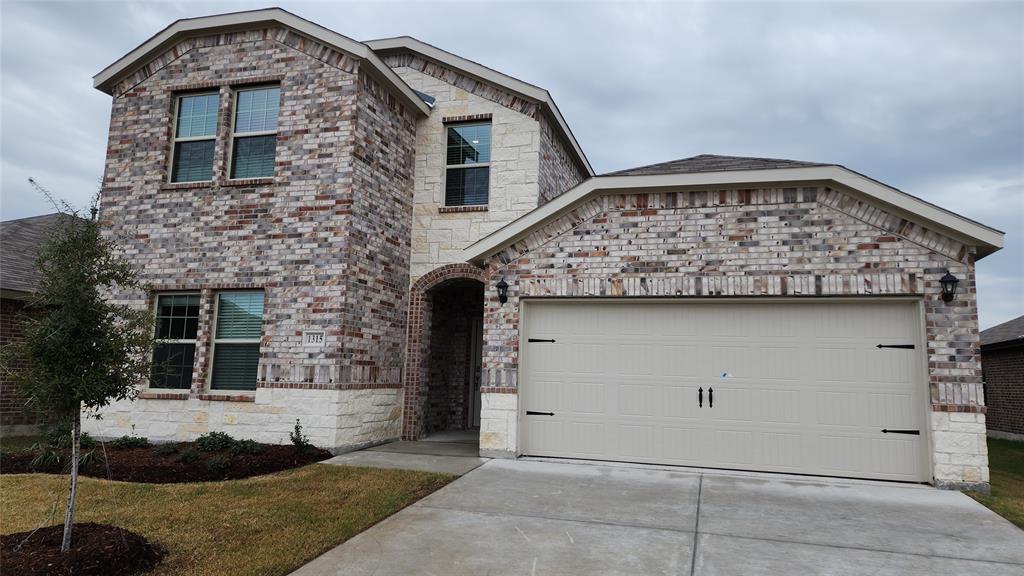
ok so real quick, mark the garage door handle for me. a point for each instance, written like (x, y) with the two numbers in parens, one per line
(711, 397)
(700, 397)
(533, 413)
(914, 432)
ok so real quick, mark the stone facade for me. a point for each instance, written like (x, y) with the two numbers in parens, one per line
(14, 417)
(1004, 390)
(529, 163)
(327, 238)
(796, 242)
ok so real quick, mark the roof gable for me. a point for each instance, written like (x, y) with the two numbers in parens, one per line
(968, 232)
(182, 29)
(529, 92)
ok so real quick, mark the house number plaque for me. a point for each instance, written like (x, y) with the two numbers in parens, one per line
(314, 338)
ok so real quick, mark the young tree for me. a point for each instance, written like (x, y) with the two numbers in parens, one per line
(81, 351)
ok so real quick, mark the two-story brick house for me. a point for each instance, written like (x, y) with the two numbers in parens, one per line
(383, 240)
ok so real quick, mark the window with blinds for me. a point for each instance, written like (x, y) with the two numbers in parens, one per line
(177, 321)
(254, 132)
(195, 137)
(468, 164)
(236, 342)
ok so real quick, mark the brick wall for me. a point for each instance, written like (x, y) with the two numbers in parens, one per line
(327, 238)
(559, 171)
(1003, 370)
(13, 416)
(807, 242)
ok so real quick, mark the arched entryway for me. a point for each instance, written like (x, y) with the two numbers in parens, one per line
(442, 372)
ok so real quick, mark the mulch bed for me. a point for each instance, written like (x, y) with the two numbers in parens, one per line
(152, 466)
(96, 550)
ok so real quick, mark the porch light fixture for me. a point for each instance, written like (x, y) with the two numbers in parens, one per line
(502, 287)
(949, 283)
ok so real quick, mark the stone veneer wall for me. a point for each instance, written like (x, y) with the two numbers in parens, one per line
(798, 242)
(14, 418)
(440, 234)
(326, 238)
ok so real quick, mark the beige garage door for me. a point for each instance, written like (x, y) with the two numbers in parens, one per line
(785, 386)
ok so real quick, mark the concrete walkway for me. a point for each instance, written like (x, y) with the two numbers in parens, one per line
(448, 452)
(533, 518)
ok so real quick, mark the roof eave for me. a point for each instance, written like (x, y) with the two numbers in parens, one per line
(987, 240)
(107, 78)
(485, 74)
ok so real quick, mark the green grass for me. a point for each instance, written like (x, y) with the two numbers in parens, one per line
(267, 525)
(1006, 470)
(18, 443)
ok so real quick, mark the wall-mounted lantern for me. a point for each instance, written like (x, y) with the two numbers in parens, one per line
(502, 287)
(949, 283)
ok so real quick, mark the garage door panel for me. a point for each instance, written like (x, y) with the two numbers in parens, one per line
(798, 387)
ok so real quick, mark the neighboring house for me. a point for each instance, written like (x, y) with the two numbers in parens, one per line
(20, 241)
(1002, 364)
(385, 240)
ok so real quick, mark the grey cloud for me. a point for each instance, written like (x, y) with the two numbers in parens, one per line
(928, 97)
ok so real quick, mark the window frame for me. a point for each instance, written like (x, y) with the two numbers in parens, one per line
(447, 167)
(214, 341)
(232, 135)
(175, 139)
(194, 342)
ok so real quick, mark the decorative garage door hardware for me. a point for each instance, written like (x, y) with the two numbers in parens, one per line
(914, 432)
(903, 346)
(700, 397)
(534, 413)
(552, 340)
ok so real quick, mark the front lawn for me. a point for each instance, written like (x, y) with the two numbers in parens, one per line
(263, 525)
(1006, 469)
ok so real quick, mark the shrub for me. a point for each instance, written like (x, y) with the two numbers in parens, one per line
(59, 436)
(215, 441)
(299, 439)
(127, 442)
(165, 449)
(247, 447)
(217, 463)
(188, 455)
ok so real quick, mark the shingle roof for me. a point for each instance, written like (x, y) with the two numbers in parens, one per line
(712, 163)
(1006, 332)
(20, 241)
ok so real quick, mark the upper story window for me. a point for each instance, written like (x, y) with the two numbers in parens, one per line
(236, 340)
(467, 171)
(254, 132)
(195, 137)
(177, 321)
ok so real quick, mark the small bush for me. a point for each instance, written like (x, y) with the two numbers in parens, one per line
(188, 455)
(127, 442)
(165, 449)
(59, 436)
(215, 442)
(247, 447)
(217, 463)
(46, 458)
(299, 439)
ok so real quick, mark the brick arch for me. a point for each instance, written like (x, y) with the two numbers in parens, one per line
(418, 340)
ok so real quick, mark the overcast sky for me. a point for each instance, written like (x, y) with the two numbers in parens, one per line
(927, 97)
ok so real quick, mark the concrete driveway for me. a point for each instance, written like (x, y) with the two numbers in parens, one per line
(532, 518)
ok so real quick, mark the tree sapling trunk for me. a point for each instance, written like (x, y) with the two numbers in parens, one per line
(69, 514)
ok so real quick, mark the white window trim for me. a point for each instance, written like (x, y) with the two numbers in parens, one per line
(232, 134)
(447, 166)
(194, 342)
(214, 340)
(175, 139)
